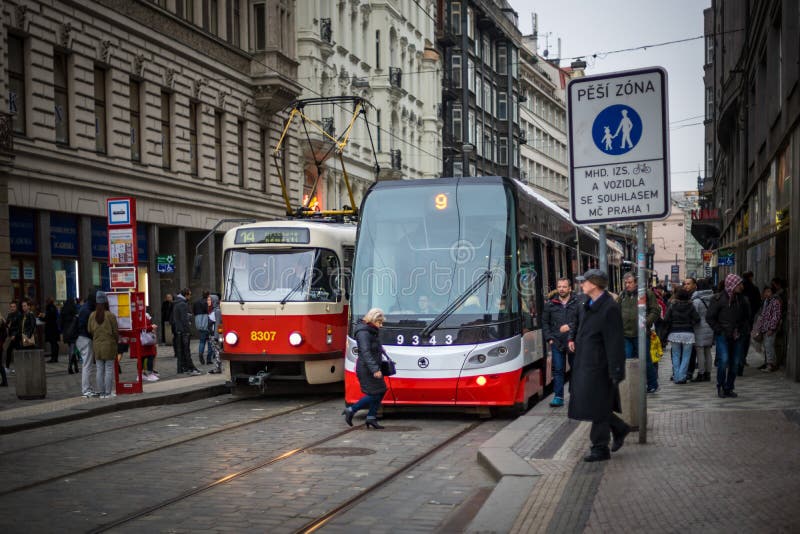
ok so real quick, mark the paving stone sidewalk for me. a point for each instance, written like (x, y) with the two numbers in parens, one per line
(64, 389)
(709, 465)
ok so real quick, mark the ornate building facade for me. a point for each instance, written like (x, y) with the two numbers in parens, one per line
(174, 102)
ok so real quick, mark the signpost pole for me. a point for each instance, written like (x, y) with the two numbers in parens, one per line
(602, 251)
(642, 321)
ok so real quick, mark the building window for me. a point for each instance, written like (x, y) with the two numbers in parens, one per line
(194, 146)
(242, 144)
(190, 10)
(179, 8)
(472, 127)
(218, 145)
(502, 59)
(502, 105)
(134, 104)
(166, 130)
(458, 169)
(471, 74)
(456, 60)
(259, 22)
(61, 103)
(709, 160)
(377, 49)
(709, 103)
(455, 18)
(264, 136)
(100, 128)
(709, 49)
(285, 154)
(514, 63)
(457, 122)
(470, 23)
(16, 83)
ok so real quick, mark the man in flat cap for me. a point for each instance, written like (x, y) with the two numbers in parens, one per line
(599, 367)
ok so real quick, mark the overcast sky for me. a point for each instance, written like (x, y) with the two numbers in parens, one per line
(587, 28)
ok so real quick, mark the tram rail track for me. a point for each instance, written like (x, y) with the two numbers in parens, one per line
(151, 450)
(311, 526)
(122, 427)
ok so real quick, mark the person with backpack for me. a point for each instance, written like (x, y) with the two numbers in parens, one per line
(703, 335)
(681, 318)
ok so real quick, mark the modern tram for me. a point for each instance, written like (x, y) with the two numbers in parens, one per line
(285, 303)
(461, 267)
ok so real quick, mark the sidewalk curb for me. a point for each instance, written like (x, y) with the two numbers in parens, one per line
(120, 403)
(516, 478)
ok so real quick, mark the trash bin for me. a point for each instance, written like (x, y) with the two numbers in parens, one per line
(31, 376)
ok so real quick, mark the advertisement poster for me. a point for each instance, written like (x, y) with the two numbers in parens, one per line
(120, 246)
(61, 286)
(120, 305)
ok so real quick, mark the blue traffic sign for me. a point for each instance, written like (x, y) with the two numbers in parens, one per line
(617, 129)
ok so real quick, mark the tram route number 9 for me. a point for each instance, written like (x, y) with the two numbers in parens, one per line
(262, 335)
(414, 340)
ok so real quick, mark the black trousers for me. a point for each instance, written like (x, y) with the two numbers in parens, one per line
(603, 428)
(184, 354)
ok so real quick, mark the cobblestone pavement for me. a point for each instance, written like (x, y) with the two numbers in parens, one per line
(710, 465)
(92, 479)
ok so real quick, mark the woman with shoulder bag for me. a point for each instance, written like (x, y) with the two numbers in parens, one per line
(105, 337)
(27, 339)
(368, 368)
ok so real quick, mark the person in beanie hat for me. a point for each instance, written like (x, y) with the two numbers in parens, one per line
(105, 337)
(729, 318)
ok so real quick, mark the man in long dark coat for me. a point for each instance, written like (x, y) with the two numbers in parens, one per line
(599, 367)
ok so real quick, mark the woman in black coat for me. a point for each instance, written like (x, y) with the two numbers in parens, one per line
(68, 324)
(599, 367)
(368, 368)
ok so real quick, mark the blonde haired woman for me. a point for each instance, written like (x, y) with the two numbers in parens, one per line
(368, 368)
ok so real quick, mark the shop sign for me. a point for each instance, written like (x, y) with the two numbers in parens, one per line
(63, 235)
(707, 255)
(29, 271)
(122, 277)
(61, 286)
(14, 272)
(22, 230)
(99, 239)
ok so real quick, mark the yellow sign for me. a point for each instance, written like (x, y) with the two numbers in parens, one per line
(262, 335)
(440, 201)
(61, 286)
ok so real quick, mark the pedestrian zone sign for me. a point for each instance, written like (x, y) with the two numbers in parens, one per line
(619, 147)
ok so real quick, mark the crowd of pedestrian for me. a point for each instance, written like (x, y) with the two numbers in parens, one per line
(598, 331)
(86, 328)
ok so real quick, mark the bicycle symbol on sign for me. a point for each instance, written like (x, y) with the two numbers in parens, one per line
(642, 168)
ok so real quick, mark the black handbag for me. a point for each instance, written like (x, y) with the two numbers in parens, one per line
(388, 367)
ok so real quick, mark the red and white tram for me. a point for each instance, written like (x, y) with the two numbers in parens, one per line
(285, 303)
(460, 267)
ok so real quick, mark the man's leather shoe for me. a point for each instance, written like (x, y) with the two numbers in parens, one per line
(595, 456)
(619, 441)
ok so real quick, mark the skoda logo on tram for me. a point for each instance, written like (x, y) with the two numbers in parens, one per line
(423, 362)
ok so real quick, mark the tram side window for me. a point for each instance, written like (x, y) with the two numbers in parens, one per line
(325, 284)
(527, 285)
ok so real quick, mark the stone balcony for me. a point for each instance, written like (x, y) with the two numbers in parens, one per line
(275, 83)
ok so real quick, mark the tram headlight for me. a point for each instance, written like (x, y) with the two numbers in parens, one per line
(295, 339)
(231, 338)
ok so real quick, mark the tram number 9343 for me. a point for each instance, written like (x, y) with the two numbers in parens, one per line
(262, 335)
(415, 340)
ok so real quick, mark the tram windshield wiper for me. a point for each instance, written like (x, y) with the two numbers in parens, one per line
(447, 312)
(299, 285)
(235, 288)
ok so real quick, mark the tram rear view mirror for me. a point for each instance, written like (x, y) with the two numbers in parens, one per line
(197, 268)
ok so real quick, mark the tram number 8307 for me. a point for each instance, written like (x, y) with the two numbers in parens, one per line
(415, 340)
(262, 335)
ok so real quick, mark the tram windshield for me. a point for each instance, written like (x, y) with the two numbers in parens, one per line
(440, 258)
(298, 275)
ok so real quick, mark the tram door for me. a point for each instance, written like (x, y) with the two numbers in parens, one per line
(531, 295)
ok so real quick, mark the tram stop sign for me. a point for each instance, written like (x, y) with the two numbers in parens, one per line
(619, 147)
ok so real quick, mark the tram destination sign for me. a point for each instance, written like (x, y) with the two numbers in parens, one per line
(619, 147)
(274, 235)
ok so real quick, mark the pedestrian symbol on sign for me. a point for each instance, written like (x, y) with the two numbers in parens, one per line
(617, 129)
